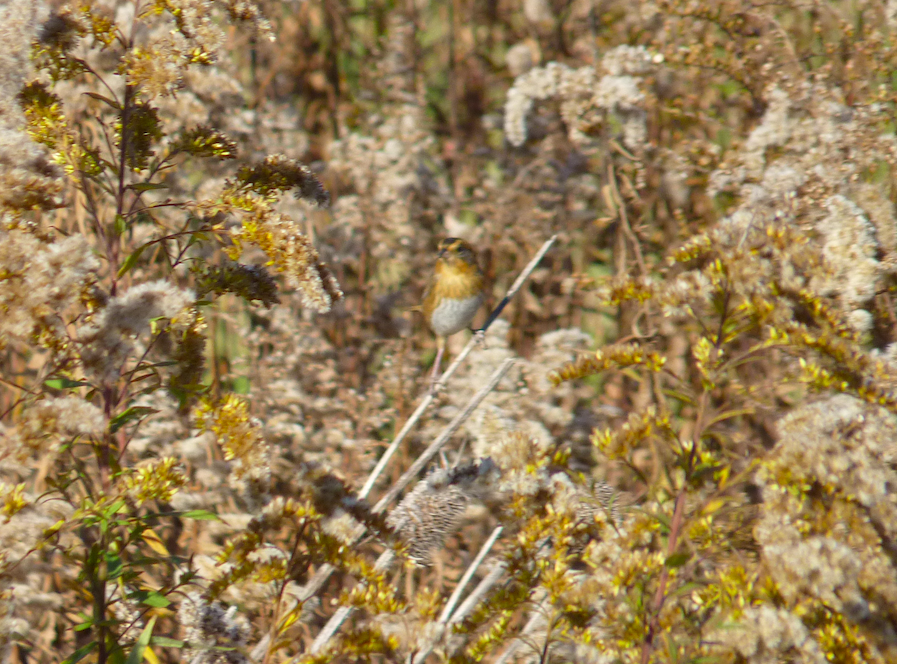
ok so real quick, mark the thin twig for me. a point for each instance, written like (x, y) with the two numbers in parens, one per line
(518, 284)
(531, 624)
(342, 614)
(387, 455)
(483, 587)
(459, 589)
(428, 399)
(468, 575)
(624, 220)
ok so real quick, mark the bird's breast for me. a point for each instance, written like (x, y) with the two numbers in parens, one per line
(454, 314)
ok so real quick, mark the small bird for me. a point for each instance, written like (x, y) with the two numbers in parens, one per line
(454, 293)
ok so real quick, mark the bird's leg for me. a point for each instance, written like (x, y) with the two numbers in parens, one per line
(440, 351)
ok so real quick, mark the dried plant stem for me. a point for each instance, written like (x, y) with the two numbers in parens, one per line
(387, 455)
(624, 220)
(342, 614)
(323, 574)
(676, 526)
(479, 592)
(468, 575)
(429, 398)
(459, 589)
(528, 628)
(512, 291)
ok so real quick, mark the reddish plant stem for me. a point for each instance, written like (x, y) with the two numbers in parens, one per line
(676, 524)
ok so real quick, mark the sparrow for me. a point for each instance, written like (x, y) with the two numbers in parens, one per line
(454, 293)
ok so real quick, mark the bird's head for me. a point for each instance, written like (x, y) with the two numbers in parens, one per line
(457, 254)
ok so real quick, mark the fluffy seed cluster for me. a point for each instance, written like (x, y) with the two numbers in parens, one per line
(278, 172)
(827, 544)
(49, 422)
(251, 282)
(767, 634)
(27, 177)
(40, 283)
(803, 165)
(582, 93)
(216, 634)
(109, 339)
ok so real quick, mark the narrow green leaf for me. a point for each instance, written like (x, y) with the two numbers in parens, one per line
(113, 508)
(200, 515)
(80, 653)
(147, 186)
(677, 560)
(165, 642)
(109, 102)
(64, 383)
(685, 589)
(164, 363)
(114, 565)
(87, 624)
(131, 260)
(129, 415)
(136, 655)
(197, 236)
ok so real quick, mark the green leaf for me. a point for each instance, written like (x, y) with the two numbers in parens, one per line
(64, 383)
(680, 396)
(131, 260)
(197, 236)
(200, 515)
(114, 565)
(121, 225)
(685, 589)
(146, 186)
(165, 642)
(136, 655)
(87, 624)
(113, 508)
(117, 656)
(677, 560)
(154, 365)
(109, 102)
(129, 415)
(81, 653)
(156, 600)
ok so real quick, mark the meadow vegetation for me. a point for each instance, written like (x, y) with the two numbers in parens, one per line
(217, 216)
